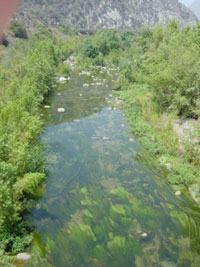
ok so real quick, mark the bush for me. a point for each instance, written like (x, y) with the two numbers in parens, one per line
(27, 74)
(103, 42)
(18, 29)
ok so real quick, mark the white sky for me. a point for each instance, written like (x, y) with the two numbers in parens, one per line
(186, 2)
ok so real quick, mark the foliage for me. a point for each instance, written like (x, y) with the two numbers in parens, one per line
(27, 74)
(18, 29)
(159, 80)
(102, 43)
(28, 184)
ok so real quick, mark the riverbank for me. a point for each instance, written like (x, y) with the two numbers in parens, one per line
(158, 82)
(157, 132)
(28, 74)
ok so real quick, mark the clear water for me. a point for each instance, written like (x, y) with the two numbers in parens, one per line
(102, 206)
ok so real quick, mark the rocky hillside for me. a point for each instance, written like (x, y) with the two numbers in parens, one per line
(100, 14)
(195, 6)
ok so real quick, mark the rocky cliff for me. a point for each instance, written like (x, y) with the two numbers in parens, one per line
(101, 14)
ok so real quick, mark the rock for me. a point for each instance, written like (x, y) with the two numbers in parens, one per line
(131, 140)
(46, 106)
(81, 95)
(194, 190)
(105, 138)
(119, 15)
(168, 166)
(62, 79)
(85, 85)
(23, 256)
(61, 110)
(122, 125)
(144, 236)
(58, 93)
(177, 193)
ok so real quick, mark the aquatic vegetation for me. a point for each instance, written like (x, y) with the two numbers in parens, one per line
(120, 193)
(117, 210)
(83, 238)
(122, 251)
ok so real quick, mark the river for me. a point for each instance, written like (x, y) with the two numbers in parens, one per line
(103, 204)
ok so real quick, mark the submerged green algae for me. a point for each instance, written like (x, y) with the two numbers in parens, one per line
(102, 207)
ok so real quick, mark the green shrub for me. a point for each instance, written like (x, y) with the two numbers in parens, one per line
(18, 29)
(28, 184)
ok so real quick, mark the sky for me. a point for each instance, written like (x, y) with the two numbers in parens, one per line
(186, 2)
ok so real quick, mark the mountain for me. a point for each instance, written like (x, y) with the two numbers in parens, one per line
(101, 14)
(195, 7)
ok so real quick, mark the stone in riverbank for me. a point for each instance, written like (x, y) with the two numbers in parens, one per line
(177, 193)
(194, 190)
(62, 79)
(23, 257)
(61, 110)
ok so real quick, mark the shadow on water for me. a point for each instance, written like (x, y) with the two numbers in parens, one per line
(102, 206)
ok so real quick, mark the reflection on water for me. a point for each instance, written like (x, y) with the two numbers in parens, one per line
(102, 207)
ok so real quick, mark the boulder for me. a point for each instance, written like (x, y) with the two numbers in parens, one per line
(23, 256)
(62, 79)
(61, 110)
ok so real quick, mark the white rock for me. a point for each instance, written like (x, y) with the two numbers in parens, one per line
(62, 79)
(105, 138)
(81, 95)
(122, 125)
(144, 235)
(168, 166)
(46, 106)
(76, 120)
(61, 110)
(85, 85)
(177, 193)
(131, 140)
(23, 256)
(58, 93)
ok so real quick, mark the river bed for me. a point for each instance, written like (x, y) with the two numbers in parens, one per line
(102, 206)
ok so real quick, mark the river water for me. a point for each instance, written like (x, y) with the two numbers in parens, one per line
(103, 204)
